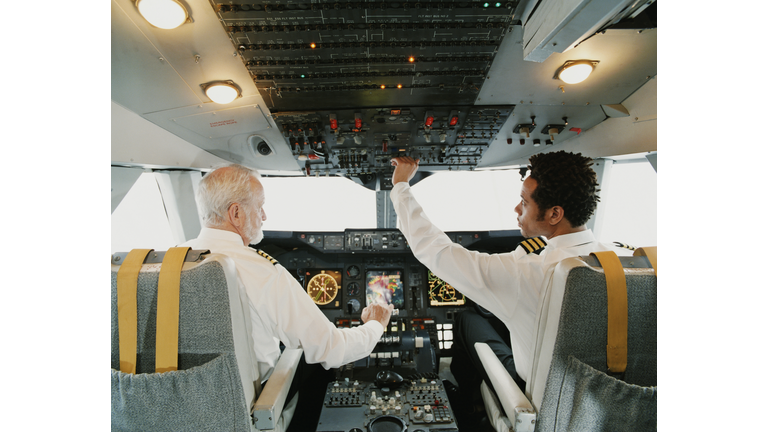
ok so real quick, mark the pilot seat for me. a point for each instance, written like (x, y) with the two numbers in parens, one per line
(182, 351)
(594, 365)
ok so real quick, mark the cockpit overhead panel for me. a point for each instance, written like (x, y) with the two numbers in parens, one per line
(352, 84)
(342, 54)
(359, 143)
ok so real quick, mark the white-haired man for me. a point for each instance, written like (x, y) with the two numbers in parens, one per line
(231, 203)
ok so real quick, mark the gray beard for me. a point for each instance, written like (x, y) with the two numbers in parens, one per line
(258, 239)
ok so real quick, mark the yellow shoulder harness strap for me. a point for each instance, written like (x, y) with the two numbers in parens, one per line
(617, 310)
(127, 279)
(167, 342)
(650, 253)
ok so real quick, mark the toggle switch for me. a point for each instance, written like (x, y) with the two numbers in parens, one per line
(552, 133)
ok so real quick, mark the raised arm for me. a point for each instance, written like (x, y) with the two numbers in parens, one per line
(486, 279)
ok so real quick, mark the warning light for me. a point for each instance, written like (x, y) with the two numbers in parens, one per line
(383, 86)
(313, 45)
(454, 120)
(411, 59)
(399, 86)
(429, 121)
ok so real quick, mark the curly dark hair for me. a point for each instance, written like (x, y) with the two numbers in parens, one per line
(566, 180)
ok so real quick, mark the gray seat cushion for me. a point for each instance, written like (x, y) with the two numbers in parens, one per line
(590, 400)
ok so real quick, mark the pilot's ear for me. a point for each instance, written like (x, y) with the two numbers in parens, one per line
(555, 215)
(236, 216)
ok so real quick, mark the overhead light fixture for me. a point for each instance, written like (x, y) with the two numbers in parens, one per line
(164, 14)
(575, 71)
(221, 92)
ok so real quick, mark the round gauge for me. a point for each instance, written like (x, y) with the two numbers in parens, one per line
(322, 288)
(353, 289)
(353, 306)
(442, 293)
(353, 271)
(447, 293)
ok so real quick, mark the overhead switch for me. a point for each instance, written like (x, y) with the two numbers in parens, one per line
(429, 119)
(552, 133)
(453, 118)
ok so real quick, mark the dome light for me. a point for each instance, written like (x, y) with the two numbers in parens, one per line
(574, 72)
(222, 92)
(164, 14)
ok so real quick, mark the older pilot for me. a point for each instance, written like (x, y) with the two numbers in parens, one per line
(231, 203)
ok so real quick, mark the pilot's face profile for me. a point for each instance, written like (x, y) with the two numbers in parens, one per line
(528, 212)
(256, 214)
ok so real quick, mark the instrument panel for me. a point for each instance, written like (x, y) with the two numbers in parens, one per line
(343, 272)
(397, 386)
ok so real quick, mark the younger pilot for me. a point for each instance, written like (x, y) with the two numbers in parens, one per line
(556, 201)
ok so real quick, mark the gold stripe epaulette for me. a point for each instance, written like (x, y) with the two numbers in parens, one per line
(267, 256)
(533, 245)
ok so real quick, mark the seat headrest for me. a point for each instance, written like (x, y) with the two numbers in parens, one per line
(156, 257)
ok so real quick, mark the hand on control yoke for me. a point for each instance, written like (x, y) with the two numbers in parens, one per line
(378, 312)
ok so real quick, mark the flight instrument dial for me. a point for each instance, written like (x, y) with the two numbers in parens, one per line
(322, 288)
(353, 289)
(442, 293)
(353, 271)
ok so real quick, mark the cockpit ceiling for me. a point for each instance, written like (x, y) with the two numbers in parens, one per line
(300, 64)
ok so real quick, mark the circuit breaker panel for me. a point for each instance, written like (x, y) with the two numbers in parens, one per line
(342, 54)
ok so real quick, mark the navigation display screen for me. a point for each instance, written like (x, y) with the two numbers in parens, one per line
(443, 294)
(384, 286)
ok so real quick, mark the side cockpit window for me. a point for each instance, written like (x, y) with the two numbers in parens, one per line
(629, 197)
(140, 221)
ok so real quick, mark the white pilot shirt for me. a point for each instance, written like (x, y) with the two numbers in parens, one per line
(507, 284)
(282, 311)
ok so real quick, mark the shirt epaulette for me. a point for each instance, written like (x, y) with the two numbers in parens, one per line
(267, 256)
(625, 246)
(533, 245)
